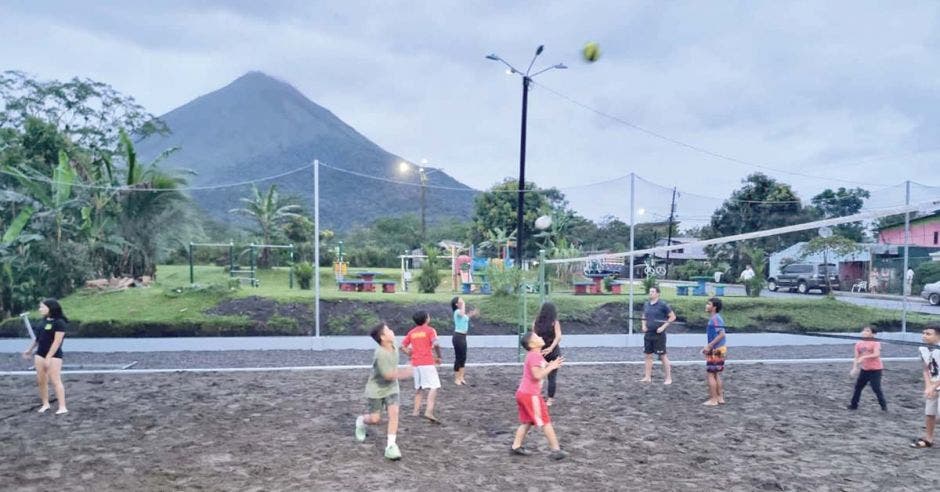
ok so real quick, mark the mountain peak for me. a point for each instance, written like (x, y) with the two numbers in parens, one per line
(258, 126)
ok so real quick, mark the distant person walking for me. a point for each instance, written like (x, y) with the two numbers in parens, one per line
(48, 355)
(547, 327)
(746, 277)
(908, 281)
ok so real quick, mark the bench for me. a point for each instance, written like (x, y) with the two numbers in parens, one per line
(388, 286)
(467, 287)
(684, 290)
(719, 290)
(582, 288)
(350, 285)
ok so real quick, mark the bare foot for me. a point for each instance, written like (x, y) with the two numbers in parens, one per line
(710, 403)
(644, 380)
(44, 408)
(667, 382)
(432, 419)
(721, 401)
(62, 411)
(549, 402)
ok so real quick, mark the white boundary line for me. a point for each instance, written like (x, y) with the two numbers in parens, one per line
(482, 364)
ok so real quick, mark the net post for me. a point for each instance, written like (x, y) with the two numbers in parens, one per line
(316, 247)
(543, 287)
(632, 224)
(907, 241)
(290, 274)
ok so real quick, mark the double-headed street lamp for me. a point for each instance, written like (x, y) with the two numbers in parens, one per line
(526, 80)
(404, 168)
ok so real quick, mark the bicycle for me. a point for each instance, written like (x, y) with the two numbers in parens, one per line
(653, 268)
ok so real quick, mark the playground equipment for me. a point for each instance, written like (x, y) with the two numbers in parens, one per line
(243, 275)
(340, 266)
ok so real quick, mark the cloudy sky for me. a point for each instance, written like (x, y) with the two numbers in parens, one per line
(688, 94)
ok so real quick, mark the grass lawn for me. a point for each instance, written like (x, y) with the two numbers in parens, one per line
(171, 301)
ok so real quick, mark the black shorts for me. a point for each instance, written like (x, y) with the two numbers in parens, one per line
(56, 355)
(655, 344)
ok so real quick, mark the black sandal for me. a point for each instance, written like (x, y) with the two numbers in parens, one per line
(921, 443)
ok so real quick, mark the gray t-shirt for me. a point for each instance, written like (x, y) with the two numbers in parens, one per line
(384, 362)
(655, 315)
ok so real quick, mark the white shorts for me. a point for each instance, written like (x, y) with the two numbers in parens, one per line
(426, 377)
(932, 407)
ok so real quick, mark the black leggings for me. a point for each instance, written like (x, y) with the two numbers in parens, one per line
(554, 374)
(460, 350)
(865, 377)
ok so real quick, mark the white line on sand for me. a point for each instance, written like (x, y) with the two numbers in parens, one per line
(481, 364)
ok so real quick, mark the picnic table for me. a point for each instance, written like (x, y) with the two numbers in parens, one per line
(367, 280)
(700, 286)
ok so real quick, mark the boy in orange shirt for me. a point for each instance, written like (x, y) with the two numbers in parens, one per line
(421, 345)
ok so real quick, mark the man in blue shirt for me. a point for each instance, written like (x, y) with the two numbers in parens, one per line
(715, 352)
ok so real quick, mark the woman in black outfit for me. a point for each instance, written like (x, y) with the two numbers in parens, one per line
(50, 332)
(549, 329)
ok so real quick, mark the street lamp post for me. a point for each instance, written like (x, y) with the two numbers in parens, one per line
(526, 81)
(404, 167)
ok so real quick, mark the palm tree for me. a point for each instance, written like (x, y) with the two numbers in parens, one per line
(496, 238)
(151, 207)
(269, 211)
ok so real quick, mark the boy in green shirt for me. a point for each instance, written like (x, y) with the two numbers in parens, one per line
(382, 389)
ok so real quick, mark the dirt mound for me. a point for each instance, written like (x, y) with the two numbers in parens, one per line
(345, 317)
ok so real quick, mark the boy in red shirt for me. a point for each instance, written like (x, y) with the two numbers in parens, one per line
(420, 344)
(532, 408)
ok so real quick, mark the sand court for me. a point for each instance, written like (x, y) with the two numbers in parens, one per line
(785, 427)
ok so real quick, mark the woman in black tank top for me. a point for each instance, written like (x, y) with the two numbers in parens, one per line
(549, 329)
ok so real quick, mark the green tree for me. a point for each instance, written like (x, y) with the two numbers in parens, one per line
(840, 203)
(496, 239)
(498, 208)
(269, 212)
(761, 203)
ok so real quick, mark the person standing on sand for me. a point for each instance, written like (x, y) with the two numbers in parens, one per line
(461, 327)
(931, 357)
(48, 356)
(532, 408)
(382, 389)
(419, 344)
(657, 315)
(547, 327)
(867, 364)
(715, 352)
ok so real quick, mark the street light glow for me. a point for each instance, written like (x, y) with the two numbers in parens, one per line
(403, 167)
(640, 211)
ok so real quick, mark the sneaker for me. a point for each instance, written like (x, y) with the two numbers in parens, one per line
(520, 451)
(851, 407)
(392, 452)
(360, 433)
(558, 455)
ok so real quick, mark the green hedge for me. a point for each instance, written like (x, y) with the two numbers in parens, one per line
(13, 328)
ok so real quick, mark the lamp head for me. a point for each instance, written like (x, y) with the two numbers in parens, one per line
(492, 56)
(538, 51)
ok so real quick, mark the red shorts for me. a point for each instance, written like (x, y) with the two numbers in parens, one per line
(532, 410)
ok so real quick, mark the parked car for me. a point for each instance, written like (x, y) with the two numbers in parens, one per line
(931, 292)
(803, 277)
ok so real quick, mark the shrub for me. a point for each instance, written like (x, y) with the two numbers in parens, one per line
(649, 282)
(430, 277)
(924, 274)
(691, 269)
(505, 281)
(304, 273)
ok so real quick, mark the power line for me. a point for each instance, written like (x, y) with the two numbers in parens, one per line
(689, 146)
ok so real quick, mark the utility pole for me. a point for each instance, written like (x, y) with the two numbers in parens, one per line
(672, 214)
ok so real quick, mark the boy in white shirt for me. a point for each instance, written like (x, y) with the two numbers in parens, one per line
(931, 357)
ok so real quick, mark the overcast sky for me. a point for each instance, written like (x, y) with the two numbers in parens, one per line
(816, 94)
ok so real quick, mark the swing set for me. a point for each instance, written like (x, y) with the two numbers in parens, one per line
(249, 275)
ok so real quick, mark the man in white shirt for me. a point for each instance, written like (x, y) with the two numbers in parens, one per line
(746, 277)
(908, 281)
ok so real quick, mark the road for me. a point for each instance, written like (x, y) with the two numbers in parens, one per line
(914, 305)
